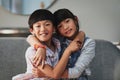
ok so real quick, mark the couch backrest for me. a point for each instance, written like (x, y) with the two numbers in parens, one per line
(12, 59)
(104, 64)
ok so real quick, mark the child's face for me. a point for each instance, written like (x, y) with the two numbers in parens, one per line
(43, 30)
(67, 28)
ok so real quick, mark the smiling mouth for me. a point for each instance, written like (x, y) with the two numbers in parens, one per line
(68, 31)
(43, 34)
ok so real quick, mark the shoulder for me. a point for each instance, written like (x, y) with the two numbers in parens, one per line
(89, 41)
(30, 51)
(56, 41)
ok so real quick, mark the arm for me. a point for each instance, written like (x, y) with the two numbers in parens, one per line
(80, 37)
(32, 40)
(57, 71)
(40, 53)
(48, 70)
(87, 54)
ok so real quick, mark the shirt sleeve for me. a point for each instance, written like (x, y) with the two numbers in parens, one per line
(30, 53)
(29, 57)
(87, 54)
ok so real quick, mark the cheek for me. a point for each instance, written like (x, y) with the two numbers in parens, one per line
(61, 32)
(51, 31)
(36, 31)
(73, 26)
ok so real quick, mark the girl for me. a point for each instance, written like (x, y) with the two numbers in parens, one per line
(67, 26)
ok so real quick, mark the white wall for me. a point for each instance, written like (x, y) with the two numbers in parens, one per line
(100, 19)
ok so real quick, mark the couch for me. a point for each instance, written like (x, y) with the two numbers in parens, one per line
(105, 65)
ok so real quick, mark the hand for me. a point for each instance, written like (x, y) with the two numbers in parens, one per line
(37, 73)
(80, 38)
(39, 58)
(74, 46)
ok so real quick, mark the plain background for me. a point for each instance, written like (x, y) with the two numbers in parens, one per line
(100, 19)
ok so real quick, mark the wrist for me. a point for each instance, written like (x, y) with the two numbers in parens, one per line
(36, 46)
(68, 52)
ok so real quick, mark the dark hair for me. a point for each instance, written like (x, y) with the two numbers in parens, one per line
(39, 15)
(63, 14)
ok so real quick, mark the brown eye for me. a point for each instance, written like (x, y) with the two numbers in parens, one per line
(67, 20)
(59, 26)
(38, 26)
(47, 24)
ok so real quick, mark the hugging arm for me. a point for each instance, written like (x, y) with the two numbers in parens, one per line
(87, 54)
(58, 70)
(41, 52)
(40, 55)
(80, 38)
(32, 40)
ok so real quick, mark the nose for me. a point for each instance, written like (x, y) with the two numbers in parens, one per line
(42, 28)
(65, 26)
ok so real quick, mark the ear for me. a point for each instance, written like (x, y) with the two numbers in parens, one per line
(31, 31)
(76, 20)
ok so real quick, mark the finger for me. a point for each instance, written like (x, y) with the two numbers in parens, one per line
(32, 63)
(34, 57)
(34, 73)
(79, 42)
(38, 61)
(33, 69)
(34, 66)
(35, 60)
(77, 46)
(43, 62)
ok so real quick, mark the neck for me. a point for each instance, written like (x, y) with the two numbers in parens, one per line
(50, 45)
(73, 37)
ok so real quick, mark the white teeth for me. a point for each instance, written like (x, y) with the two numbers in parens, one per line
(43, 34)
(68, 31)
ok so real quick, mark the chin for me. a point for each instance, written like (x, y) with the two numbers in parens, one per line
(44, 40)
(70, 35)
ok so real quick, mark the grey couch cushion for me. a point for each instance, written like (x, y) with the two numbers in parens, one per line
(12, 59)
(104, 64)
